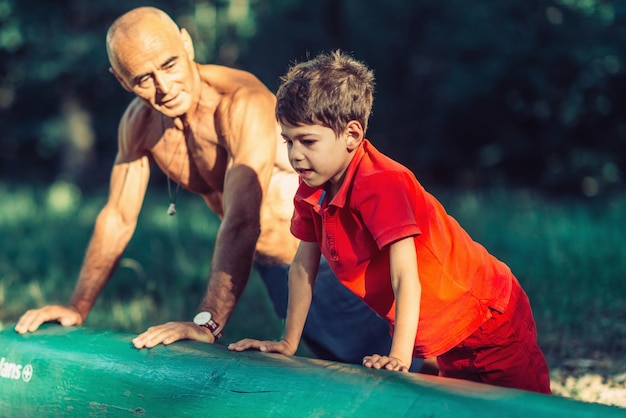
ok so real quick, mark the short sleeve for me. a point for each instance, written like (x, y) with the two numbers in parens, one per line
(302, 223)
(389, 206)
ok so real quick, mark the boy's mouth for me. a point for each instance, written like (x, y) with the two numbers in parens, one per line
(303, 172)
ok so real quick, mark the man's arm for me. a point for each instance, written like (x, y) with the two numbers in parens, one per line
(248, 133)
(113, 229)
(251, 143)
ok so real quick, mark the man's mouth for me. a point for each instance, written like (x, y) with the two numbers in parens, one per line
(169, 101)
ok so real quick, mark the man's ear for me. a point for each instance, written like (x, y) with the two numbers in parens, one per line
(354, 134)
(187, 43)
(121, 80)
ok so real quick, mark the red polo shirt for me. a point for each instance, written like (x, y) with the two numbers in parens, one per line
(381, 202)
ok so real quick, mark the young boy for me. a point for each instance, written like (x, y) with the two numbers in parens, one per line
(392, 243)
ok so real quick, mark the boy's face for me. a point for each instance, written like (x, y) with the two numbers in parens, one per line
(318, 155)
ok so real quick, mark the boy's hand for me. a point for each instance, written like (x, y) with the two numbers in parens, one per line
(282, 346)
(376, 361)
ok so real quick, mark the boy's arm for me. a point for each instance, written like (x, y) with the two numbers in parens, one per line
(408, 291)
(302, 275)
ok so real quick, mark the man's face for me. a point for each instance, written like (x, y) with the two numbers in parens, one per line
(157, 66)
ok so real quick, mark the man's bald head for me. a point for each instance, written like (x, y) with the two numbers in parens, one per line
(133, 23)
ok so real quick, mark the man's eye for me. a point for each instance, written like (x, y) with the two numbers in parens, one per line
(144, 81)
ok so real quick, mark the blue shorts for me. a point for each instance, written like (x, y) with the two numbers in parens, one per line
(340, 326)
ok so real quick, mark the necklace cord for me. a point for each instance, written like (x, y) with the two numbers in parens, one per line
(172, 197)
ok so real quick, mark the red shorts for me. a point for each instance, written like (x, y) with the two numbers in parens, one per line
(503, 351)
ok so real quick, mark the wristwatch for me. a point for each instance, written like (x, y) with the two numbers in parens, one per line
(205, 319)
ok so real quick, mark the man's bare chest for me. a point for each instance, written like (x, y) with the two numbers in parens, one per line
(193, 158)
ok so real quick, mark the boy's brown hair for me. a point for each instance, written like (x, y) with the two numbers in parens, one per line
(329, 90)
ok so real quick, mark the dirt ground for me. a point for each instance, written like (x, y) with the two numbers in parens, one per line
(591, 380)
(585, 379)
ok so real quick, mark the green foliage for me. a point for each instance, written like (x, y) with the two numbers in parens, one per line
(567, 255)
(488, 94)
(162, 276)
(53, 60)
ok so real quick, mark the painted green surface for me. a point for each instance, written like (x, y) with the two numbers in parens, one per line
(84, 372)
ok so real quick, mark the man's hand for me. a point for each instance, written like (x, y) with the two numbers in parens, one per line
(172, 332)
(377, 361)
(32, 319)
(282, 346)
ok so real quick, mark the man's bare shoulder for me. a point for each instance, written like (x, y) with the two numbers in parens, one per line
(245, 108)
(139, 130)
(230, 81)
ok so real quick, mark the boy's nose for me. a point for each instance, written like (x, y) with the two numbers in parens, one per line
(294, 154)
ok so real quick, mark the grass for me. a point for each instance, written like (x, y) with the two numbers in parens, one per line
(566, 253)
(162, 276)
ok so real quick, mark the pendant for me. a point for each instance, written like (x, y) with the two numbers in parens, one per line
(172, 209)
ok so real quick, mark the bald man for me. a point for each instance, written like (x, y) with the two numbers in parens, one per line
(213, 131)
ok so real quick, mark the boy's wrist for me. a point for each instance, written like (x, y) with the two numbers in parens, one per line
(293, 346)
(406, 361)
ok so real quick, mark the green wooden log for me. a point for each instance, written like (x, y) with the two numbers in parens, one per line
(85, 372)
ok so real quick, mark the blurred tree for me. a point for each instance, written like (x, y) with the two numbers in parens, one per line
(482, 94)
(59, 105)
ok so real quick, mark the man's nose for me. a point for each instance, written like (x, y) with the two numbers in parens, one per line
(162, 83)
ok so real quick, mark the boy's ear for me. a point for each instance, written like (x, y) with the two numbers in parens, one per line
(354, 134)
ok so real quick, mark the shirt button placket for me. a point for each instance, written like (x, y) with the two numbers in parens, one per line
(329, 227)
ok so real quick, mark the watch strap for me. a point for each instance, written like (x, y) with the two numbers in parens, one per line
(214, 327)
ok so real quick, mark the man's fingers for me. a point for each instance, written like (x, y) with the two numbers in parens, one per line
(171, 332)
(27, 323)
(154, 336)
(32, 319)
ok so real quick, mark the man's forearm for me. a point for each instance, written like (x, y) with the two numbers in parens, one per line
(230, 271)
(91, 280)
(87, 291)
(101, 259)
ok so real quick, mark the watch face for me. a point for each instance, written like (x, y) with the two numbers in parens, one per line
(202, 318)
